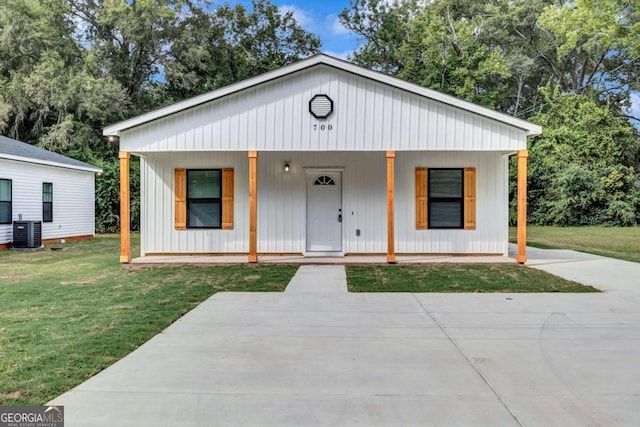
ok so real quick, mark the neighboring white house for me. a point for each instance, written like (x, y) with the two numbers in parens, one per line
(323, 157)
(39, 185)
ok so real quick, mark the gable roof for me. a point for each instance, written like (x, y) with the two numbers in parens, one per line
(115, 129)
(11, 149)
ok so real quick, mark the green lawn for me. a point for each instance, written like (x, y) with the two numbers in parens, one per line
(457, 278)
(67, 315)
(615, 242)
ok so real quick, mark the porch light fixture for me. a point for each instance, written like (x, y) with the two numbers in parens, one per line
(286, 167)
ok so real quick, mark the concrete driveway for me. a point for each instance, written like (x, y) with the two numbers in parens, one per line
(340, 359)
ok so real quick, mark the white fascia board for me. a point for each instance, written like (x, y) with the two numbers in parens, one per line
(115, 129)
(91, 169)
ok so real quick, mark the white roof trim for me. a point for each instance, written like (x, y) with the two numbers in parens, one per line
(49, 163)
(115, 129)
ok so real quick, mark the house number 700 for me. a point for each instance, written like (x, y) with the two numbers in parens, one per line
(323, 127)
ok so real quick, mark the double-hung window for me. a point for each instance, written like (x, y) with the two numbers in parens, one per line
(204, 198)
(5, 201)
(446, 198)
(47, 202)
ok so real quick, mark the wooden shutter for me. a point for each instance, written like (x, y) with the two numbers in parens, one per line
(470, 198)
(180, 197)
(421, 198)
(227, 199)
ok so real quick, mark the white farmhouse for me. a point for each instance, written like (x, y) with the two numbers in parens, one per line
(38, 185)
(323, 158)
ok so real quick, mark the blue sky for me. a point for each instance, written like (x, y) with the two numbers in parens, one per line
(321, 18)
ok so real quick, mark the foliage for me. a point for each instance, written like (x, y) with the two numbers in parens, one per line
(499, 52)
(584, 169)
(587, 47)
(100, 313)
(54, 91)
(232, 44)
(108, 196)
(453, 56)
(70, 67)
(384, 26)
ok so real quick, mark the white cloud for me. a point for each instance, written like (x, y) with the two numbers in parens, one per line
(336, 26)
(302, 16)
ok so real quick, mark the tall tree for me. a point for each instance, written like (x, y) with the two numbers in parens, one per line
(54, 91)
(584, 167)
(383, 27)
(448, 49)
(132, 39)
(587, 46)
(232, 44)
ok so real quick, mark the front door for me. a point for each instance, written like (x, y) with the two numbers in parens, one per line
(324, 211)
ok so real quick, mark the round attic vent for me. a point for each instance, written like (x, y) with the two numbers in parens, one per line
(321, 106)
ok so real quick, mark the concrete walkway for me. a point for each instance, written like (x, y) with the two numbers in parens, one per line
(336, 358)
(615, 276)
(318, 278)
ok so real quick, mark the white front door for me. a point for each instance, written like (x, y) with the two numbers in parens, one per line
(324, 211)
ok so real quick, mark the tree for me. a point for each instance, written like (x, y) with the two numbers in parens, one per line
(53, 90)
(384, 26)
(132, 40)
(449, 52)
(587, 46)
(584, 167)
(232, 44)
(69, 67)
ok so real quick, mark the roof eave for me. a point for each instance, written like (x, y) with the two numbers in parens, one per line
(92, 169)
(116, 128)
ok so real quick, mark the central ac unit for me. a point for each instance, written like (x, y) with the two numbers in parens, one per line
(27, 234)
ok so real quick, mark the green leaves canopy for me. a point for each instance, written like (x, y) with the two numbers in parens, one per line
(69, 67)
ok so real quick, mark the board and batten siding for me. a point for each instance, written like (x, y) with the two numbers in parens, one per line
(73, 199)
(368, 116)
(492, 202)
(282, 203)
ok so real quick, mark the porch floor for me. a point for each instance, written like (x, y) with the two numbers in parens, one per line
(299, 259)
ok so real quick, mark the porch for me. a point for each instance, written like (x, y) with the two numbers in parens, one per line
(378, 206)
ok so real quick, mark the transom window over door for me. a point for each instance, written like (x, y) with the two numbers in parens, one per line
(324, 180)
(446, 198)
(47, 202)
(5, 201)
(204, 198)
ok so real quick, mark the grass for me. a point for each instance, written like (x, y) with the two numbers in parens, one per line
(69, 314)
(457, 278)
(615, 242)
